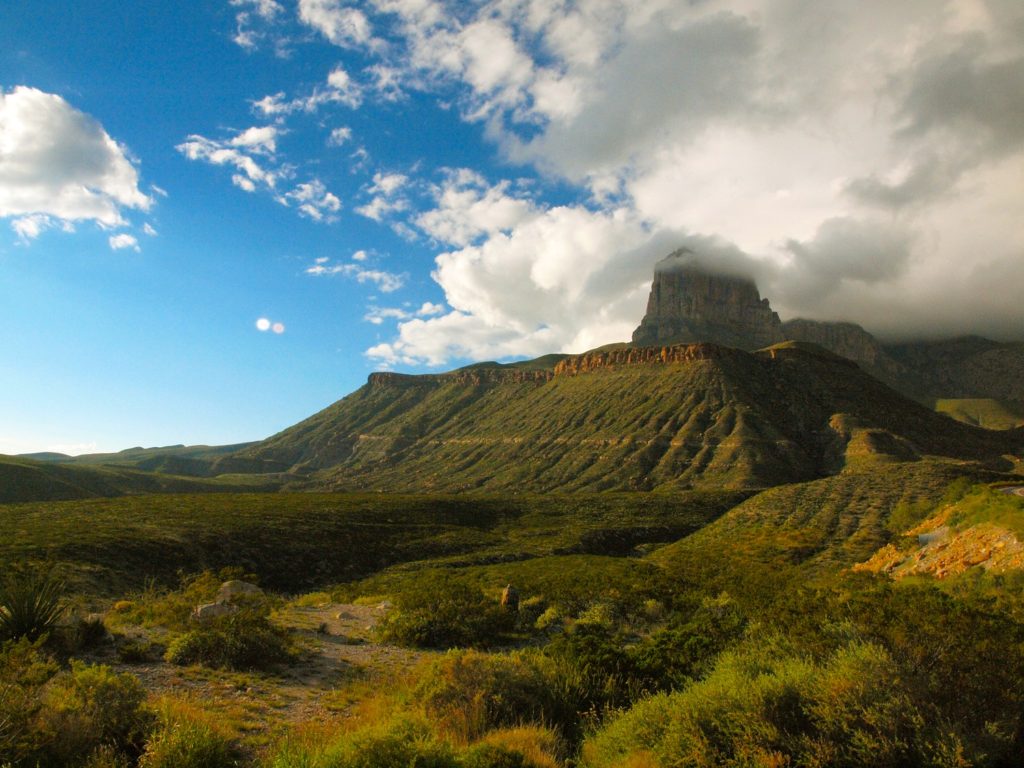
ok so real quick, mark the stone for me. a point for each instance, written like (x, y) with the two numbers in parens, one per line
(232, 590)
(690, 303)
(212, 611)
(510, 598)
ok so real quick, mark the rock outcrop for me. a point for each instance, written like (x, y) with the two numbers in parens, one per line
(689, 303)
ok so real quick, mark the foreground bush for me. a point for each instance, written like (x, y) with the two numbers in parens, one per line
(393, 744)
(88, 716)
(469, 693)
(772, 708)
(243, 641)
(186, 739)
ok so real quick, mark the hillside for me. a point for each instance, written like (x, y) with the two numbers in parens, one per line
(672, 417)
(23, 479)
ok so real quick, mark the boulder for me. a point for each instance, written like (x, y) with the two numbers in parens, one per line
(212, 611)
(230, 591)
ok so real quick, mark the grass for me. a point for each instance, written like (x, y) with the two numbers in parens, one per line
(293, 542)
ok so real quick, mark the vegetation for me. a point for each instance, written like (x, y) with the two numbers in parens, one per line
(31, 602)
(718, 629)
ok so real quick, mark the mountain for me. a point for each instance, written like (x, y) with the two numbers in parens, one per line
(692, 302)
(24, 479)
(689, 303)
(672, 417)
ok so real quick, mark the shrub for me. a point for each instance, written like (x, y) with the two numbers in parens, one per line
(185, 740)
(24, 670)
(396, 743)
(443, 613)
(540, 746)
(89, 707)
(470, 692)
(243, 641)
(31, 602)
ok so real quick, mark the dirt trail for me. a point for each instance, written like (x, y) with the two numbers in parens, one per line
(339, 651)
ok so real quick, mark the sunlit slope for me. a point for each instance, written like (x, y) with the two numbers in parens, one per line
(630, 419)
(27, 480)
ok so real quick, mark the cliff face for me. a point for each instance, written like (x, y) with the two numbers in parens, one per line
(690, 304)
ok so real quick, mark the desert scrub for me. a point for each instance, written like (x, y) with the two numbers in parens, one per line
(53, 720)
(469, 692)
(398, 742)
(244, 640)
(440, 612)
(172, 608)
(187, 738)
(31, 603)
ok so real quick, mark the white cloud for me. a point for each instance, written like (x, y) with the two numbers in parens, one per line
(314, 200)
(341, 24)
(377, 315)
(245, 33)
(252, 154)
(58, 164)
(868, 157)
(124, 240)
(339, 136)
(385, 189)
(147, 228)
(467, 208)
(339, 89)
(388, 282)
(30, 227)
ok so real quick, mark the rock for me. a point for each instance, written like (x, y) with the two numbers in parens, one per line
(849, 340)
(510, 598)
(230, 591)
(691, 303)
(213, 611)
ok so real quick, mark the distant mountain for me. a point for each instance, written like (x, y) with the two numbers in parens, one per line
(24, 479)
(691, 302)
(679, 416)
(191, 460)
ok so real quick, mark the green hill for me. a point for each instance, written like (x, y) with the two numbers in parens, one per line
(23, 479)
(687, 416)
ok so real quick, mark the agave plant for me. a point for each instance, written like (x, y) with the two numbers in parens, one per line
(31, 602)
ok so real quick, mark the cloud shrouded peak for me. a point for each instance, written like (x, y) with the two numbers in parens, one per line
(59, 164)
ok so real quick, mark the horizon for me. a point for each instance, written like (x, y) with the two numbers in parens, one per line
(217, 219)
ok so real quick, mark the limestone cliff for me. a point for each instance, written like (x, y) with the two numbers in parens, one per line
(689, 303)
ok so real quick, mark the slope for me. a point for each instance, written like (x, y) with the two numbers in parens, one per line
(624, 419)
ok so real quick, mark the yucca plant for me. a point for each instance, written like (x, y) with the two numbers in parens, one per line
(31, 602)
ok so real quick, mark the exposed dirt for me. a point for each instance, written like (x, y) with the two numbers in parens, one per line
(338, 654)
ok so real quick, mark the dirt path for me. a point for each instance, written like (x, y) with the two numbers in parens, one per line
(340, 663)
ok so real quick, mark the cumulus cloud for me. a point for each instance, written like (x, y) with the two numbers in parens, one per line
(339, 88)
(251, 11)
(864, 161)
(58, 165)
(467, 207)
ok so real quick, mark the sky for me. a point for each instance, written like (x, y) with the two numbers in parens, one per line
(218, 217)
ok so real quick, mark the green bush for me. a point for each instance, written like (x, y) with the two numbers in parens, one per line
(492, 756)
(766, 706)
(470, 692)
(88, 707)
(443, 613)
(24, 671)
(31, 602)
(398, 743)
(181, 741)
(243, 641)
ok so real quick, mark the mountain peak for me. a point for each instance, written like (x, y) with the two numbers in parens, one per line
(692, 303)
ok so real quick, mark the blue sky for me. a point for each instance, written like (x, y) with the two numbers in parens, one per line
(218, 217)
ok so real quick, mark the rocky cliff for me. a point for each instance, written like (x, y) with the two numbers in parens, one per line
(689, 303)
